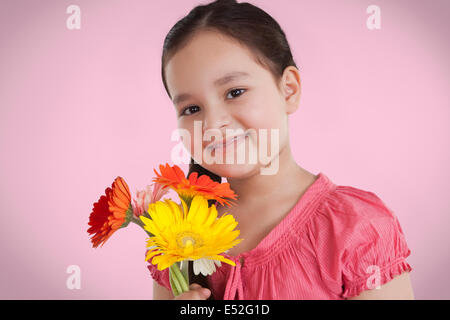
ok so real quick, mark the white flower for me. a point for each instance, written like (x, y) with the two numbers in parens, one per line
(205, 266)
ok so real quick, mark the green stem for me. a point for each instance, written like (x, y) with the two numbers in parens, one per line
(187, 200)
(174, 283)
(180, 277)
(140, 224)
(184, 265)
(174, 289)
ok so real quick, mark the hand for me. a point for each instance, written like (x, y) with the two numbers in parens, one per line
(196, 292)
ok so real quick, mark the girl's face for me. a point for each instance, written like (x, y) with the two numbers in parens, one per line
(216, 86)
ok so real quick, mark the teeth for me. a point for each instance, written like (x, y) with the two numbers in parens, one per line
(222, 145)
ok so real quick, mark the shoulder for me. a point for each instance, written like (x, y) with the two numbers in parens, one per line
(358, 203)
(354, 233)
(351, 213)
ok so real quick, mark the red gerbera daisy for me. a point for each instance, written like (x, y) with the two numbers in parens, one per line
(111, 212)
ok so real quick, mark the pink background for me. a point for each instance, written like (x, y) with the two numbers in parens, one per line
(80, 107)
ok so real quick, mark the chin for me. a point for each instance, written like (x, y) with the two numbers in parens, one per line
(233, 170)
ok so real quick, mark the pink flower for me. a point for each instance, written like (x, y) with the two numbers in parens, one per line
(147, 196)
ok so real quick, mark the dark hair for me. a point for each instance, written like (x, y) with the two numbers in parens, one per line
(245, 23)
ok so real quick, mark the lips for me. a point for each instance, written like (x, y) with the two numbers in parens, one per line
(223, 144)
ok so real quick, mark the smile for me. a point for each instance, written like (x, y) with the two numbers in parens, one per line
(223, 144)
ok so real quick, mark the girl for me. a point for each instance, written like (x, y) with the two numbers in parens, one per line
(228, 65)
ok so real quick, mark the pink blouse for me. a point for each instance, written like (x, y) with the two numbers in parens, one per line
(336, 242)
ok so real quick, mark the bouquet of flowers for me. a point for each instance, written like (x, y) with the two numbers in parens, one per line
(178, 232)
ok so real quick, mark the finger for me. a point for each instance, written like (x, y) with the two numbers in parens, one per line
(203, 291)
(198, 293)
(190, 295)
(194, 286)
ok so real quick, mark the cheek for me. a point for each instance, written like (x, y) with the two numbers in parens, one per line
(262, 115)
(186, 129)
(267, 113)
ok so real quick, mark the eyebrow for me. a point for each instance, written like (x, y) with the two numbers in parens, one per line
(218, 82)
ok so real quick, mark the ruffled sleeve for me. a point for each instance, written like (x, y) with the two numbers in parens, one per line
(359, 241)
(160, 276)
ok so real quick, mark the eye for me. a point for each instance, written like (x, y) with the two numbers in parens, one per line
(189, 110)
(236, 90)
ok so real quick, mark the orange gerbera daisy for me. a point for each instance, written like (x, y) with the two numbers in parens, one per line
(187, 188)
(111, 212)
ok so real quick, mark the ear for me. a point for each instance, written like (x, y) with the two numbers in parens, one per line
(291, 88)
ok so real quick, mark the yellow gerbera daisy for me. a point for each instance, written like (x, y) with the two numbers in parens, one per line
(179, 234)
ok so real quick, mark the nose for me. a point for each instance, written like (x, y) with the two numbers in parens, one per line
(215, 122)
(216, 118)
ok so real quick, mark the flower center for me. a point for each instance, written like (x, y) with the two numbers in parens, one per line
(187, 239)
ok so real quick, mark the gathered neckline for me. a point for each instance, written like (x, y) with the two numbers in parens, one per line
(298, 215)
